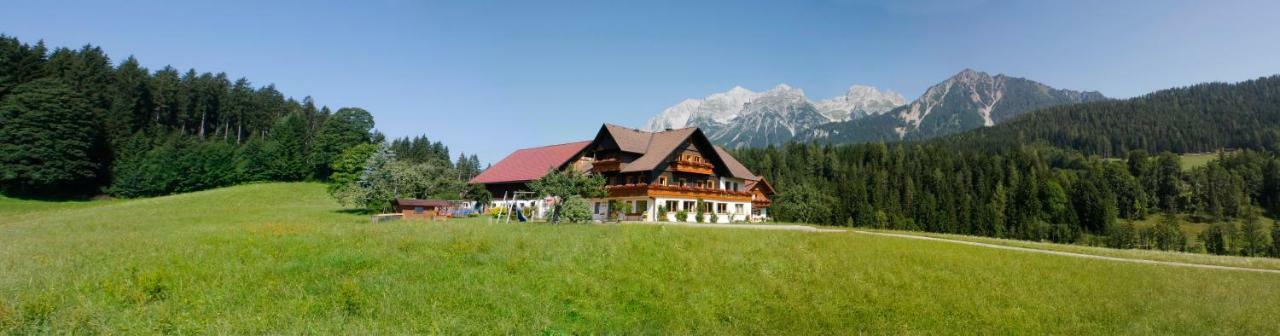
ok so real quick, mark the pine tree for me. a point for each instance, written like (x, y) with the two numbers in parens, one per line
(1213, 239)
(1252, 238)
(286, 150)
(346, 128)
(19, 63)
(48, 140)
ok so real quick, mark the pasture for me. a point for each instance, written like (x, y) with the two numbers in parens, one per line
(284, 258)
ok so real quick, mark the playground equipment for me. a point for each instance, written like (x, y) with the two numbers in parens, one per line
(508, 205)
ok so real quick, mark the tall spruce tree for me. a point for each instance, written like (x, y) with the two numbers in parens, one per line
(347, 128)
(286, 149)
(48, 139)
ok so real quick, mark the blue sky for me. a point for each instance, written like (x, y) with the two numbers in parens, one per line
(489, 77)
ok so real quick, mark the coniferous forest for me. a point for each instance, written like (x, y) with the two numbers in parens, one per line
(73, 124)
(1088, 173)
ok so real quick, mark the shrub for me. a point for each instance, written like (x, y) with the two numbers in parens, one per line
(576, 210)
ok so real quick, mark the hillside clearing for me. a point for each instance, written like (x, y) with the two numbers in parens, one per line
(282, 258)
(1191, 161)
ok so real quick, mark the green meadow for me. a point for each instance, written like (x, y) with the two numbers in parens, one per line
(284, 258)
(1196, 160)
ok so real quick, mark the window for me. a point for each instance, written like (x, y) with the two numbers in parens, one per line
(417, 210)
(739, 208)
(662, 180)
(641, 207)
(722, 208)
(673, 206)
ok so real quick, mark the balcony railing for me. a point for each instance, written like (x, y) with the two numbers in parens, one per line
(606, 165)
(694, 167)
(647, 190)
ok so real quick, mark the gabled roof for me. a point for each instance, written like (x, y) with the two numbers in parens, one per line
(656, 147)
(422, 202)
(530, 163)
(630, 140)
(764, 185)
(736, 168)
(660, 146)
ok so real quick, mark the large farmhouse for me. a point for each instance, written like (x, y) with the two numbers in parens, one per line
(674, 169)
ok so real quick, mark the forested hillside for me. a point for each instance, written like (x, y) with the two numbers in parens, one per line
(72, 123)
(1198, 118)
(1031, 193)
(1045, 176)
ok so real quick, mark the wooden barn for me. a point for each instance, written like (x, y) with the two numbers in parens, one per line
(422, 209)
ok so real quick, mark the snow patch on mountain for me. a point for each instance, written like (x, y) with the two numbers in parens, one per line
(720, 107)
(724, 107)
(859, 101)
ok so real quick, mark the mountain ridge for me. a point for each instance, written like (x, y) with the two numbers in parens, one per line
(967, 100)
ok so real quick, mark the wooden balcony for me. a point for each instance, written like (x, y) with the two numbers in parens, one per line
(761, 203)
(606, 165)
(692, 167)
(645, 190)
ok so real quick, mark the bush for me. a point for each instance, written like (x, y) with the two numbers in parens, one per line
(1122, 235)
(1168, 235)
(576, 210)
(681, 215)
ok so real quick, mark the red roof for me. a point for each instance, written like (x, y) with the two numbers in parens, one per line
(530, 163)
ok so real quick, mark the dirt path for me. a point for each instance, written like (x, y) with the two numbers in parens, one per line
(783, 227)
(1071, 254)
(995, 246)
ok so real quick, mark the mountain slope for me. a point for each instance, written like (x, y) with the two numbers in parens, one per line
(859, 101)
(717, 108)
(1198, 118)
(774, 117)
(966, 101)
(741, 117)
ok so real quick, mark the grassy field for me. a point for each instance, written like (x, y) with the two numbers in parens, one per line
(12, 209)
(1195, 160)
(1191, 258)
(283, 258)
